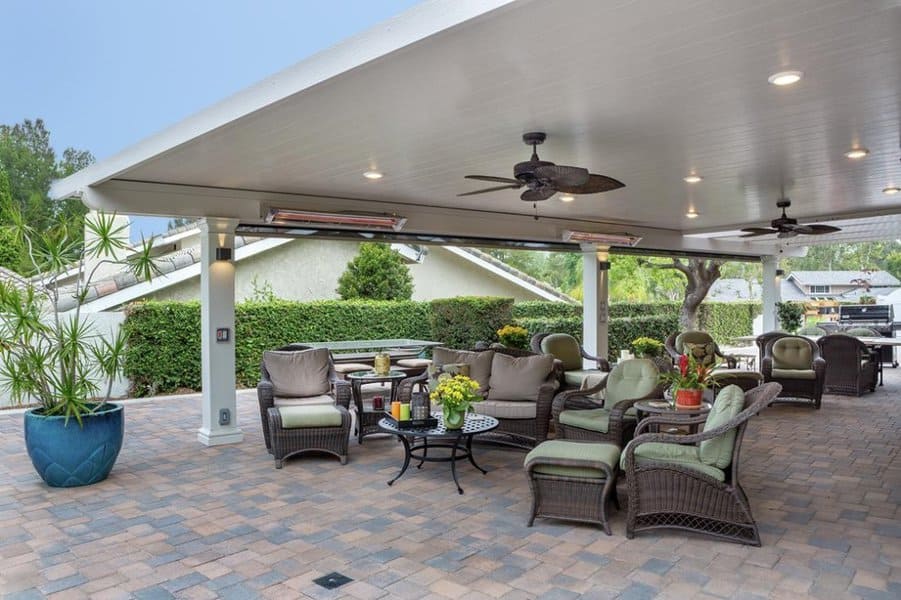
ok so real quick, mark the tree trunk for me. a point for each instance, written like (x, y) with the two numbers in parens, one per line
(700, 274)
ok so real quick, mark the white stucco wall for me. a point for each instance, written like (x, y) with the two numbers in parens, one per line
(309, 270)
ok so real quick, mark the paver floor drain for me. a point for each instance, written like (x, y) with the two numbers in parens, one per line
(332, 580)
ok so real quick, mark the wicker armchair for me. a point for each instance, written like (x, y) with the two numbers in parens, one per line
(692, 495)
(570, 353)
(270, 396)
(795, 362)
(675, 347)
(851, 367)
(764, 339)
(578, 416)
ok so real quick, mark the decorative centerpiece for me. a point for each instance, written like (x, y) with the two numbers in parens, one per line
(688, 382)
(381, 363)
(645, 347)
(514, 336)
(455, 395)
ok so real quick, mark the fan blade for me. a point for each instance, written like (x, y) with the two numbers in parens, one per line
(536, 195)
(557, 175)
(494, 189)
(491, 178)
(821, 229)
(595, 185)
(789, 233)
(755, 231)
(802, 229)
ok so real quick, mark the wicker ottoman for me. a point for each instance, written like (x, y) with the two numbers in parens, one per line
(572, 480)
(316, 428)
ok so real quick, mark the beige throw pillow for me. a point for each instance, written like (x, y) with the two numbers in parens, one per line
(518, 378)
(479, 363)
(295, 374)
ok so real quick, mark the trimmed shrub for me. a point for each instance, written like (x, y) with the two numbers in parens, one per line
(728, 320)
(622, 310)
(376, 273)
(462, 321)
(536, 309)
(621, 332)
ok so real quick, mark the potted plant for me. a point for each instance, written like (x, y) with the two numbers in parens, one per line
(455, 395)
(57, 357)
(645, 347)
(688, 381)
(514, 336)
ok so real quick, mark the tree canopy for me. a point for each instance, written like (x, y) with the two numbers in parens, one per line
(28, 164)
(376, 273)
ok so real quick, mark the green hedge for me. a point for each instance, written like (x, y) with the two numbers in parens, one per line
(541, 309)
(570, 325)
(163, 352)
(462, 321)
(622, 310)
(728, 320)
(621, 332)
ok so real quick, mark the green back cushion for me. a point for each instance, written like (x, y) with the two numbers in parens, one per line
(861, 332)
(435, 371)
(792, 353)
(692, 337)
(703, 353)
(565, 348)
(812, 331)
(633, 378)
(718, 451)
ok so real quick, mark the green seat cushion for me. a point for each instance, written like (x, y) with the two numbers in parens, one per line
(649, 453)
(593, 419)
(550, 450)
(575, 377)
(735, 374)
(718, 451)
(794, 374)
(565, 348)
(295, 417)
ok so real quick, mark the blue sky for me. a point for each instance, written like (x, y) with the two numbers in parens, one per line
(104, 74)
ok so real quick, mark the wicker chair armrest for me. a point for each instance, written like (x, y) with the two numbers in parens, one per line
(602, 363)
(275, 419)
(819, 367)
(406, 385)
(766, 368)
(341, 390)
(646, 423)
(265, 394)
(572, 400)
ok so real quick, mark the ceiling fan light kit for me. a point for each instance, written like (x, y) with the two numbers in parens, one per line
(544, 178)
(337, 220)
(610, 239)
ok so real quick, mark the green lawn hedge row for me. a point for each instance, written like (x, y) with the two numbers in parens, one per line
(163, 354)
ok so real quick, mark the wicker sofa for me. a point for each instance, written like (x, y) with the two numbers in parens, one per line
(518, 387)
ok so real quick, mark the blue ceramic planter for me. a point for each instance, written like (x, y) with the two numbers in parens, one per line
(69, 455)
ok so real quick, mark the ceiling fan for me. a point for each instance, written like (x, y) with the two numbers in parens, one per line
(544, 179)
(787, 227)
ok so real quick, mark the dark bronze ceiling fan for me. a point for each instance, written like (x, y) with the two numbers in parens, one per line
(544, 179)
(786, 227)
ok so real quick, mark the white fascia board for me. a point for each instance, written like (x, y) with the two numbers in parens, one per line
(162, 282)
(502, 273)
(411, 26)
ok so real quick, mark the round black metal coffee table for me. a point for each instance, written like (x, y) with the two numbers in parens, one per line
(459, 441)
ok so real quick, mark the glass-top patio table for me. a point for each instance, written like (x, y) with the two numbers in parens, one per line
(343, 351)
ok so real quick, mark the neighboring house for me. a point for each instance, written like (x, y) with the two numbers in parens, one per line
(734, 290)
(308, 269)
(842, 286)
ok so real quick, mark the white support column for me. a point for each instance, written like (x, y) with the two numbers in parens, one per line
(772, 291)
(595, 269)
(217, 306)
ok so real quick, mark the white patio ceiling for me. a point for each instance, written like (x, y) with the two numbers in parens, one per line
(644, 91)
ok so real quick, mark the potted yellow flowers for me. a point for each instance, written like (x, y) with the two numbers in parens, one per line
(455, 395)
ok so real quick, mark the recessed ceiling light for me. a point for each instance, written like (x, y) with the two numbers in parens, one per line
(692, 214)
(856, 153)
(372, 175)
(785, 77)
(567, 198)
(693, 178)
(892, 190)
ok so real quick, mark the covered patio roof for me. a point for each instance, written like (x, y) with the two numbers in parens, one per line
(645, 92)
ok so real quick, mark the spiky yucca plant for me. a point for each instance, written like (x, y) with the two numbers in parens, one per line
(57, 358)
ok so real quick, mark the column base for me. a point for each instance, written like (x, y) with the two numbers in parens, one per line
(220, 437)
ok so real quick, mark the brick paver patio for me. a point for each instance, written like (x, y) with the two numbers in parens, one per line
(176, 519)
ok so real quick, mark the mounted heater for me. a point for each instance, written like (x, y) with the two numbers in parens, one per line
(336, 220)
(610, 239)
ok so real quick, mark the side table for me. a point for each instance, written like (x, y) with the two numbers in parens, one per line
(368, 420)
(673, 413)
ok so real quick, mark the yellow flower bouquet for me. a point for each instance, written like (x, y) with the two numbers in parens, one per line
(455, 395)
